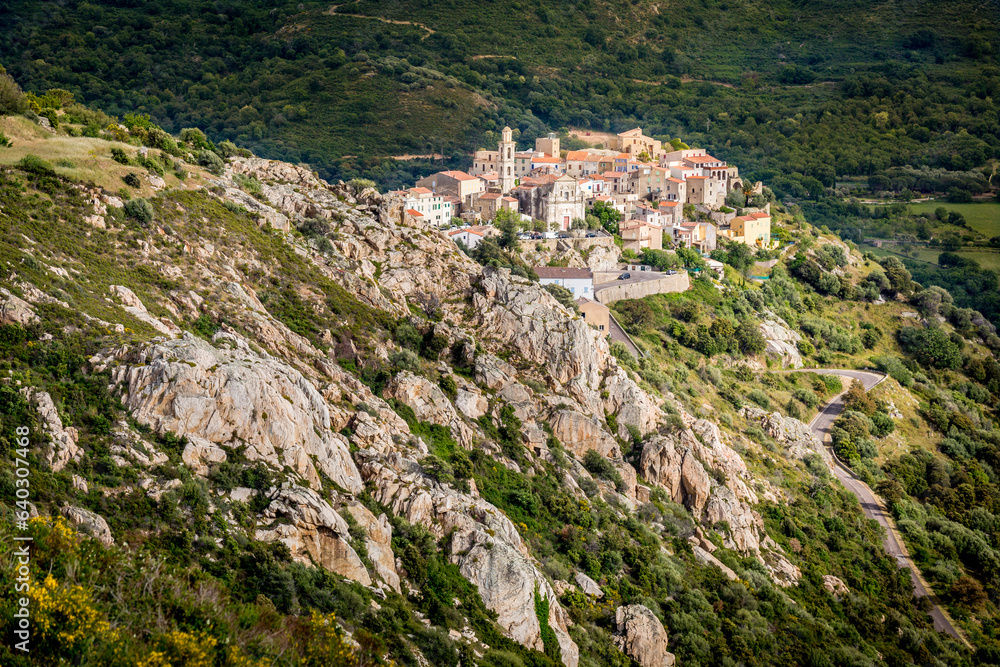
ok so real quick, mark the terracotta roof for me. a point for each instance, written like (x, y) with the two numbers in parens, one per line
(674, 180)
(703, 158)
(489, 176)
(459, 175)
(463, 231)
(510, 198)
(613, 175)
(577, 155)
(547, 160)
(489, 195)
(420, 190)
(415, 214)
(691, 178)
(563, 272)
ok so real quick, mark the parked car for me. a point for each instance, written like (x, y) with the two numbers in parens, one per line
(591, 235)
(625, 276)
(671, 272)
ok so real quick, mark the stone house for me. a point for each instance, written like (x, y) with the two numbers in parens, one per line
(455, 183)
(548, 145)
(595, 313)
(638, 235)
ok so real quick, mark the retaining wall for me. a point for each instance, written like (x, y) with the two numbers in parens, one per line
(665, 285)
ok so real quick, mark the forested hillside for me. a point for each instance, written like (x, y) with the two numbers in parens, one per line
(802, 95)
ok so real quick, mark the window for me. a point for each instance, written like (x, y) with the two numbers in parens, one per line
(601, 327)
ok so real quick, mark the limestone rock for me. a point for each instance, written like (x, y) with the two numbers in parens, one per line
(781, 340)
(62, 447)
(471, 403)
(641, 636)
(89, 523)
(708, 559)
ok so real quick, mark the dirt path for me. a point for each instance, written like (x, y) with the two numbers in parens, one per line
(430, 31)
(432, 156)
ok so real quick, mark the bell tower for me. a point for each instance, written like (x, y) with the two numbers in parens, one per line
(505, 163)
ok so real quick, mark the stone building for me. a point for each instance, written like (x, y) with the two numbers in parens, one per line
(551, 198)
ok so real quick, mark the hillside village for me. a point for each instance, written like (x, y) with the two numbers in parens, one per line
(653, 197)
(667, 196)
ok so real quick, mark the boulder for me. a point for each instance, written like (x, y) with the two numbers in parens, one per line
(134, 307)
(89, 523)
(781, 341)
(14, 310)
(588, 585)
(835, 586)
(798, 439)
(641, 636)
(578, 433)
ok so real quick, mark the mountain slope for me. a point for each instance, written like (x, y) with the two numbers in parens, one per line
(280, 387)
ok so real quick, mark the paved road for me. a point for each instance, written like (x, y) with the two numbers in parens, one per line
(618, 334)
(637, 277)
(871, 505)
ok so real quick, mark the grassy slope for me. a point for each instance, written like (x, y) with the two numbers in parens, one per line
(984, 217)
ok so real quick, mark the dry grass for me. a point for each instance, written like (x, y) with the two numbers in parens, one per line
(91, 157)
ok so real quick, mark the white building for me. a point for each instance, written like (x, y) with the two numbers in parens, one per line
(434, 209)
(580, 282)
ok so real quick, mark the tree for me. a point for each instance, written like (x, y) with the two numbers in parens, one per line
(508, 223)
(750, 339)
(12, 100)
(563, 296)
(858, 399)
(608, 215)
(736, 199)
(930, 347)
(636, 314)
(968, 593)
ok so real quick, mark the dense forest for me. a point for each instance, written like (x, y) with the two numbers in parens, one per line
(801, 95)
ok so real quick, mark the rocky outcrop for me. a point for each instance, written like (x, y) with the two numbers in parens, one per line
(62, 446)
(14, 310)
(641, 636)
(797, 438)
(483, 542)
(89, 523)
(378, 543)
(313, 531)
(430, 404)
(781, 342)
(134, 307)
(835, 586)
(578, 433)
(229, 395)
(588, 585)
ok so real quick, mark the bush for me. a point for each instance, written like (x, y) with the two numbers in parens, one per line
(4, 141)
(139, 210)
(211, 161)
(119, 155)
(603, 468)
(12, 99)
(194, 136)
(132, 180)
(760, 398)
(35, 164)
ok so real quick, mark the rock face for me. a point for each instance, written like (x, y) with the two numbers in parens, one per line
(133, 306)
(229, 395)
(430, 404)
(315, 532)
(378, 543)
(641, 636)
(781, 342)
(62, 447)
(90, 523)
(578, 433)
(484, 544)
(798, 439)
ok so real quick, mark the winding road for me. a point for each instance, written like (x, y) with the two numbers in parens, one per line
(871, 504)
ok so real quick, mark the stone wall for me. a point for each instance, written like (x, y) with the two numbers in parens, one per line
(675, 283)
(561, 245)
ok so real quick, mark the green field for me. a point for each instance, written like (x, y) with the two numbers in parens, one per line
(986, 260)
(984, 218)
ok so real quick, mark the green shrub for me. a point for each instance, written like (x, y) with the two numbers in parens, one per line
(12, 99)
(119, 155)
(194, 136)
(35, 164)
(603, 468)
(139, 210)
(760, 398)
(132, 180)
(4, 141)
(211, 161)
